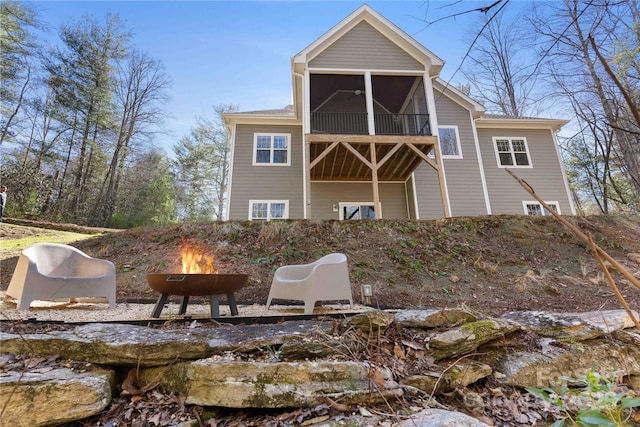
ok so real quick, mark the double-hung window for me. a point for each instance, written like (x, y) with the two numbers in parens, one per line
(512, 152)
(536, 208)
(449, 142)
(272, 149)
(266, 210)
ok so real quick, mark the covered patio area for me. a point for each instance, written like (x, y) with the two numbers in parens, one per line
(373, 159)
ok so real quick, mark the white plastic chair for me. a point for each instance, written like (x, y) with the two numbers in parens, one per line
(326, 279)
(48, 271)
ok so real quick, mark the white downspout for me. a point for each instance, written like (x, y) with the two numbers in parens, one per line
(233, 147)
(483, 178)
(433, 120)
(306, 190)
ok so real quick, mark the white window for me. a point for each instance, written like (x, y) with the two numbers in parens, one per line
(512, 152)
(272, 149)
(449, 142)
(266, 210)
(536, 208)
(357, 211)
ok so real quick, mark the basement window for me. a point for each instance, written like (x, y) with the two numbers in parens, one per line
(266, 210)
(357, 211)
(536, 208)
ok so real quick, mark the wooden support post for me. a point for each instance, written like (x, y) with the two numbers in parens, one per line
(374, 181)
(443, 188)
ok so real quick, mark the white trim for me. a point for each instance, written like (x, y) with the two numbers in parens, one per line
(564, 174)
(514, 165)
(451, 156)
(415, 195)
(376, 71)
(483, 178)
(368, 93)
(378, 215)
(445, 89)
(431, 110)
(306, 120)
(269, 203)
(542, 209)
(306, 124)
(232, 156)
(354, 182)
(387, 28)
(519, 124)
(258, 117)
(272, 149)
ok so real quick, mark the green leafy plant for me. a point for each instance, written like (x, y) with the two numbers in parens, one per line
(593, 401)
(292, 251)
(359, 274)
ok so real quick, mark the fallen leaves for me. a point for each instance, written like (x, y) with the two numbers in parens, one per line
(130, 385)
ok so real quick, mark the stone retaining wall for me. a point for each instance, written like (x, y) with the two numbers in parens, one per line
(304, 363)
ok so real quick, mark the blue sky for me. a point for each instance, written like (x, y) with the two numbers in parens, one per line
(239, 52)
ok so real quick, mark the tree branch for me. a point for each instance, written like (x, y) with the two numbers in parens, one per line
(607, 68)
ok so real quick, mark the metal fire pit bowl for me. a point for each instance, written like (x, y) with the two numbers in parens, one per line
(192, 285)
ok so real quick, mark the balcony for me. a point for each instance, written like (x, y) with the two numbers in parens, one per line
(324, 122)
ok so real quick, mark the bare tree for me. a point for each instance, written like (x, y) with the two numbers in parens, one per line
(202, 168)
(582, 80)
(140, 90)
(214, 131)
(82, 77)
(497, 70)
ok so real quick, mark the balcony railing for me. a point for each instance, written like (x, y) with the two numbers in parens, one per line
(356, 123)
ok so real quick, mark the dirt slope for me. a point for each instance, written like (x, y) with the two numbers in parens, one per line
(492, 264)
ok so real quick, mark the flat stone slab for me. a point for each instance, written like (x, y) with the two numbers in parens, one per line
(468, 337)
(130, 345)
(434, 318)
(441, 418)
(50, 396)
(577, 326)
(211, 382)
(526, 369)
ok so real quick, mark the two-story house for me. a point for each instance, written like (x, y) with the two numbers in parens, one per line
(373, 132)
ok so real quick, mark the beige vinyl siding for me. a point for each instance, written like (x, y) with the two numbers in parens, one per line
(324, 194)
(265, 182)
(464, 182)
(428, 192)
(364, 47)
(545, 176)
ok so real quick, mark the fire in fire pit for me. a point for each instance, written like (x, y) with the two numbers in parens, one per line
(194, 263)
(199, 278)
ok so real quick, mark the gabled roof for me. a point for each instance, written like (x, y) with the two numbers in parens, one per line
(489, 120)
(365, 13)
(458, 97)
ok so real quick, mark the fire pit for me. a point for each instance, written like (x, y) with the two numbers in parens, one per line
(199, 278)
(192, 285)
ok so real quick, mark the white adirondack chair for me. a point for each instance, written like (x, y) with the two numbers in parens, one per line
(326, 279)
(47, 271)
